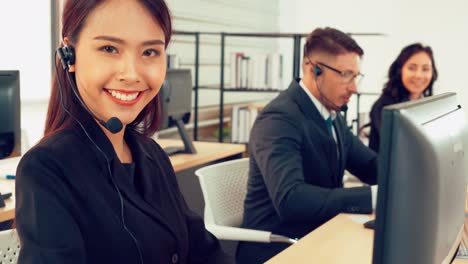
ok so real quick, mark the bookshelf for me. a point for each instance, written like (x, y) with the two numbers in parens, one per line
(296, 41)
(224, 36)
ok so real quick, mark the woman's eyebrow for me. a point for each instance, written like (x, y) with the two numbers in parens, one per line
(121, 41)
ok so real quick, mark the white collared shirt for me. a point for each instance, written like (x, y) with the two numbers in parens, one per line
(320, 107)
(325, 114)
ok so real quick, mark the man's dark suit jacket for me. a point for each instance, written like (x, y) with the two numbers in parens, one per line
(295, 179)
(69, 211)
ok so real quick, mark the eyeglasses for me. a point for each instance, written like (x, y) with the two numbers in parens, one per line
(346, 76)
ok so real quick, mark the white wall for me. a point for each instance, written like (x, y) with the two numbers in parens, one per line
(25, 46)
(222, 16)
(441, 24)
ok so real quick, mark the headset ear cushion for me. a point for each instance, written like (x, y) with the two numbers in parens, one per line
(69, 53)
(317, 71)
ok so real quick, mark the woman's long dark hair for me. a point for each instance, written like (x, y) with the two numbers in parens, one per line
(74, 17)
(394, 86)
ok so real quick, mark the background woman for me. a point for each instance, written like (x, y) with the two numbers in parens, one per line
(410, 77)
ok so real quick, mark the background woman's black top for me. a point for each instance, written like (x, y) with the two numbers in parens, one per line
(376, 118)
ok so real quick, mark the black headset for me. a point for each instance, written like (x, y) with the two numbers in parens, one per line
(67, 58)
(317, 70)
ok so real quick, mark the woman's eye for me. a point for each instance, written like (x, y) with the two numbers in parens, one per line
(109, 49)
(151, 52)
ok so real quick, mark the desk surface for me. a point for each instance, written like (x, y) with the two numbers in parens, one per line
(340, 240)
(7, 212)
(206, 152)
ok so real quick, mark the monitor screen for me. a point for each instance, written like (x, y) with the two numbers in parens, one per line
(10, 123)
(176, 106)
(176, 97)
(422, 181)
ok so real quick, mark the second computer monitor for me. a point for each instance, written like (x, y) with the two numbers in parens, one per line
(423, 166)
(10, 125)
(176, 106)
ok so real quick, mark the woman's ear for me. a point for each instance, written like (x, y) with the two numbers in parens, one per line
(66, 41)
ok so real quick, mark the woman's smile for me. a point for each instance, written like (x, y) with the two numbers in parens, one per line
(124, 97)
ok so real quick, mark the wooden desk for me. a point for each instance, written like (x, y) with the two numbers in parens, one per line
(8, 166)
(206, 152)
(7, 212)
(340, 240)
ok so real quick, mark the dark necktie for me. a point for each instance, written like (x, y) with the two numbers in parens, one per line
(329, 123)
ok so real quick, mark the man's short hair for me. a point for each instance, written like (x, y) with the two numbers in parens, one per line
(330, 41)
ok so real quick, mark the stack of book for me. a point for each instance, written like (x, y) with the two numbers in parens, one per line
(258, 72)
(243, 117)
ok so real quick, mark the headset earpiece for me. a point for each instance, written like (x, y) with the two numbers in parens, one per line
(316, 70)
(67, 56)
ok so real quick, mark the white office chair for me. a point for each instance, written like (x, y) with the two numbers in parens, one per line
(224, 186)
(9, 246)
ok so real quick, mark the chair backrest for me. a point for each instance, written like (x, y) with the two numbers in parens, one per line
(9, 246)
(224, 186)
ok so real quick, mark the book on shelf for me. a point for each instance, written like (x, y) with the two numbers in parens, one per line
(258, 71)
(274, 71)
(235, 68)
(235, 123)
(242, 120)
(173, 61)
(244, 74)
(258, 74)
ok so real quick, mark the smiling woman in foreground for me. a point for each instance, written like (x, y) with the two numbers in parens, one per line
(96, 188)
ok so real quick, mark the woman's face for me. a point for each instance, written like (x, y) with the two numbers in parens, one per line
(416, 74)
(120, 60)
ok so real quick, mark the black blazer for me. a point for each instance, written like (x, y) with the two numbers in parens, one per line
(376, 118)
(69, 211)
(295, 179)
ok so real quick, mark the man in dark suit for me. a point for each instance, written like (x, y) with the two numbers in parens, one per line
(300, 146)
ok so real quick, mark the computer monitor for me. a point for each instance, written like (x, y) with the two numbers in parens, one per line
(10, 122)
(176, 105)
(422, 181)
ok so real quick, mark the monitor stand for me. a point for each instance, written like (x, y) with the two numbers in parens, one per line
(188, 145)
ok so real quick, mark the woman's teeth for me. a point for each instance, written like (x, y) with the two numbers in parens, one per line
(124, 97)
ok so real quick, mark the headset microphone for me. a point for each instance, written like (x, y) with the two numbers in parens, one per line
(344, 108)
(67, 58)
(114, 125)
